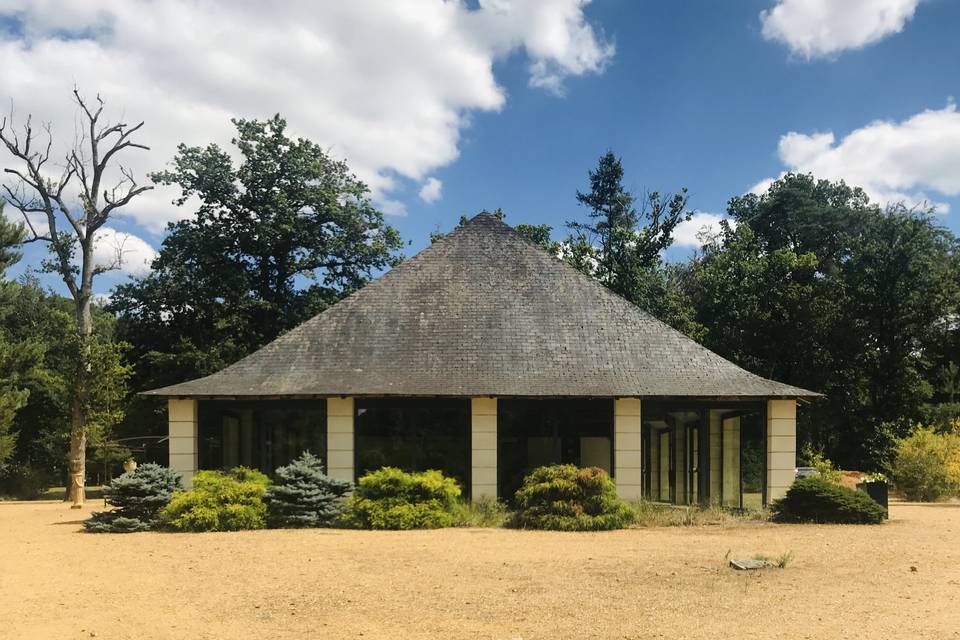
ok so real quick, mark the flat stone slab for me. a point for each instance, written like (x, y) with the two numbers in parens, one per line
(750, 564)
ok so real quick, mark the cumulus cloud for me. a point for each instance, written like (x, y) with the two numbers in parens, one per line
(386, 84)
(914, 161)
(691, 233)
(124, 251)
(431, 191)
(822, 28)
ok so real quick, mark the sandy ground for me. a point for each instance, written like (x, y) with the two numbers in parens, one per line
(844, 582)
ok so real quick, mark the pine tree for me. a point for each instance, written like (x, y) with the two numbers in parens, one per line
(303, 495)
(138, 497)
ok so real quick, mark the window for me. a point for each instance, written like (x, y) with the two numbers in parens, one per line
(697, 453)
(414, 434)
(263, 434)
(534, 433)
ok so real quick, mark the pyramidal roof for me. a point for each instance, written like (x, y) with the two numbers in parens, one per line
(483, 312)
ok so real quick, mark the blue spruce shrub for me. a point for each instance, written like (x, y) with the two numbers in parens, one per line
(304, 496)
(138, 496)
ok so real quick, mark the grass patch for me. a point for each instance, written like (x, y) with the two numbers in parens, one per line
(658, 514)
(484, 512)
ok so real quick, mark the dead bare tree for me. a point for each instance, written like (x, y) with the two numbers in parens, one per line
(75, 196)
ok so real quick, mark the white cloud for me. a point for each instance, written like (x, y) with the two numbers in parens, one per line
(131, 254)
(691, 233)
(914, 161)
(821, 28)
(431, 191)
(387, 84)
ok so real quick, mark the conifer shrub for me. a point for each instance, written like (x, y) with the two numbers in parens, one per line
(393, 499)
(818, 500)
(565, 498)
(303, 495)
(220, 502)
(137, 497)
(926, 465)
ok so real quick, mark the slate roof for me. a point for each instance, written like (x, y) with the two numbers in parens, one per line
(483, 312)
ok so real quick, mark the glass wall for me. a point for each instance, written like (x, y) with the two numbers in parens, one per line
(533, 433)
(414, 434)
(695, 453)
(263, 434)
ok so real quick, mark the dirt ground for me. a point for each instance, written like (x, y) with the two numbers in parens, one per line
(844, 582)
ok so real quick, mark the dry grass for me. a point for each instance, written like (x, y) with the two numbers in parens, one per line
(481, 583)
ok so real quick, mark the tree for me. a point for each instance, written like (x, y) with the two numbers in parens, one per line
(277, 238)
(817, 287)
(627, 243)
(16, 359)
(88, 166)
(303, 495)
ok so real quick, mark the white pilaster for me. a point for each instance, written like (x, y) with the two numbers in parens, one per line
(626, 439)
(340, 439)
(483, 448)
(182, 438)
(781, 447)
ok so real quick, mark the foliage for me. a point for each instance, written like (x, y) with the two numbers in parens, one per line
(818, 287)
(565, 498)
(817, 500)
(17, 358)
(393, 499)
(220, 502)
(926, 465)
(277, 237)
(484, 512)
(138, 497)
(303, 495)
(818, 461)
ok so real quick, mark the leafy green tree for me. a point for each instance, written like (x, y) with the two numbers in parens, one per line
(16, 358)
(277, 237)
(820, 288)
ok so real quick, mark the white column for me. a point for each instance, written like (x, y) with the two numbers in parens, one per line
(483, 448)
(340, 438)
(781, 447)
(626, 439)
(182, 440)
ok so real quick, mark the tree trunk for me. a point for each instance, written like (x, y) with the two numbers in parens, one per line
(77, 460)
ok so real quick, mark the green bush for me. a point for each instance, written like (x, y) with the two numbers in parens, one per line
(138, 497)
(220, 502)
(818, 500)
(304, 496)
(565, 498)
(393, 499)
(821, 463)
(926, 465)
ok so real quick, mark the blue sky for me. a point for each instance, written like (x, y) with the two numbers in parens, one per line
(509, 104)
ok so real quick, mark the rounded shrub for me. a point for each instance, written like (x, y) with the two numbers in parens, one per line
(565, 498)
(137, 497)
(926, 465)
(393, 499)
(821, 501)
(303, 495)
(220, 502)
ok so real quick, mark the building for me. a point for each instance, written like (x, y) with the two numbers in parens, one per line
(483, 356)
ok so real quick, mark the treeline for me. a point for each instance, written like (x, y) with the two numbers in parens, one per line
(809, 283)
